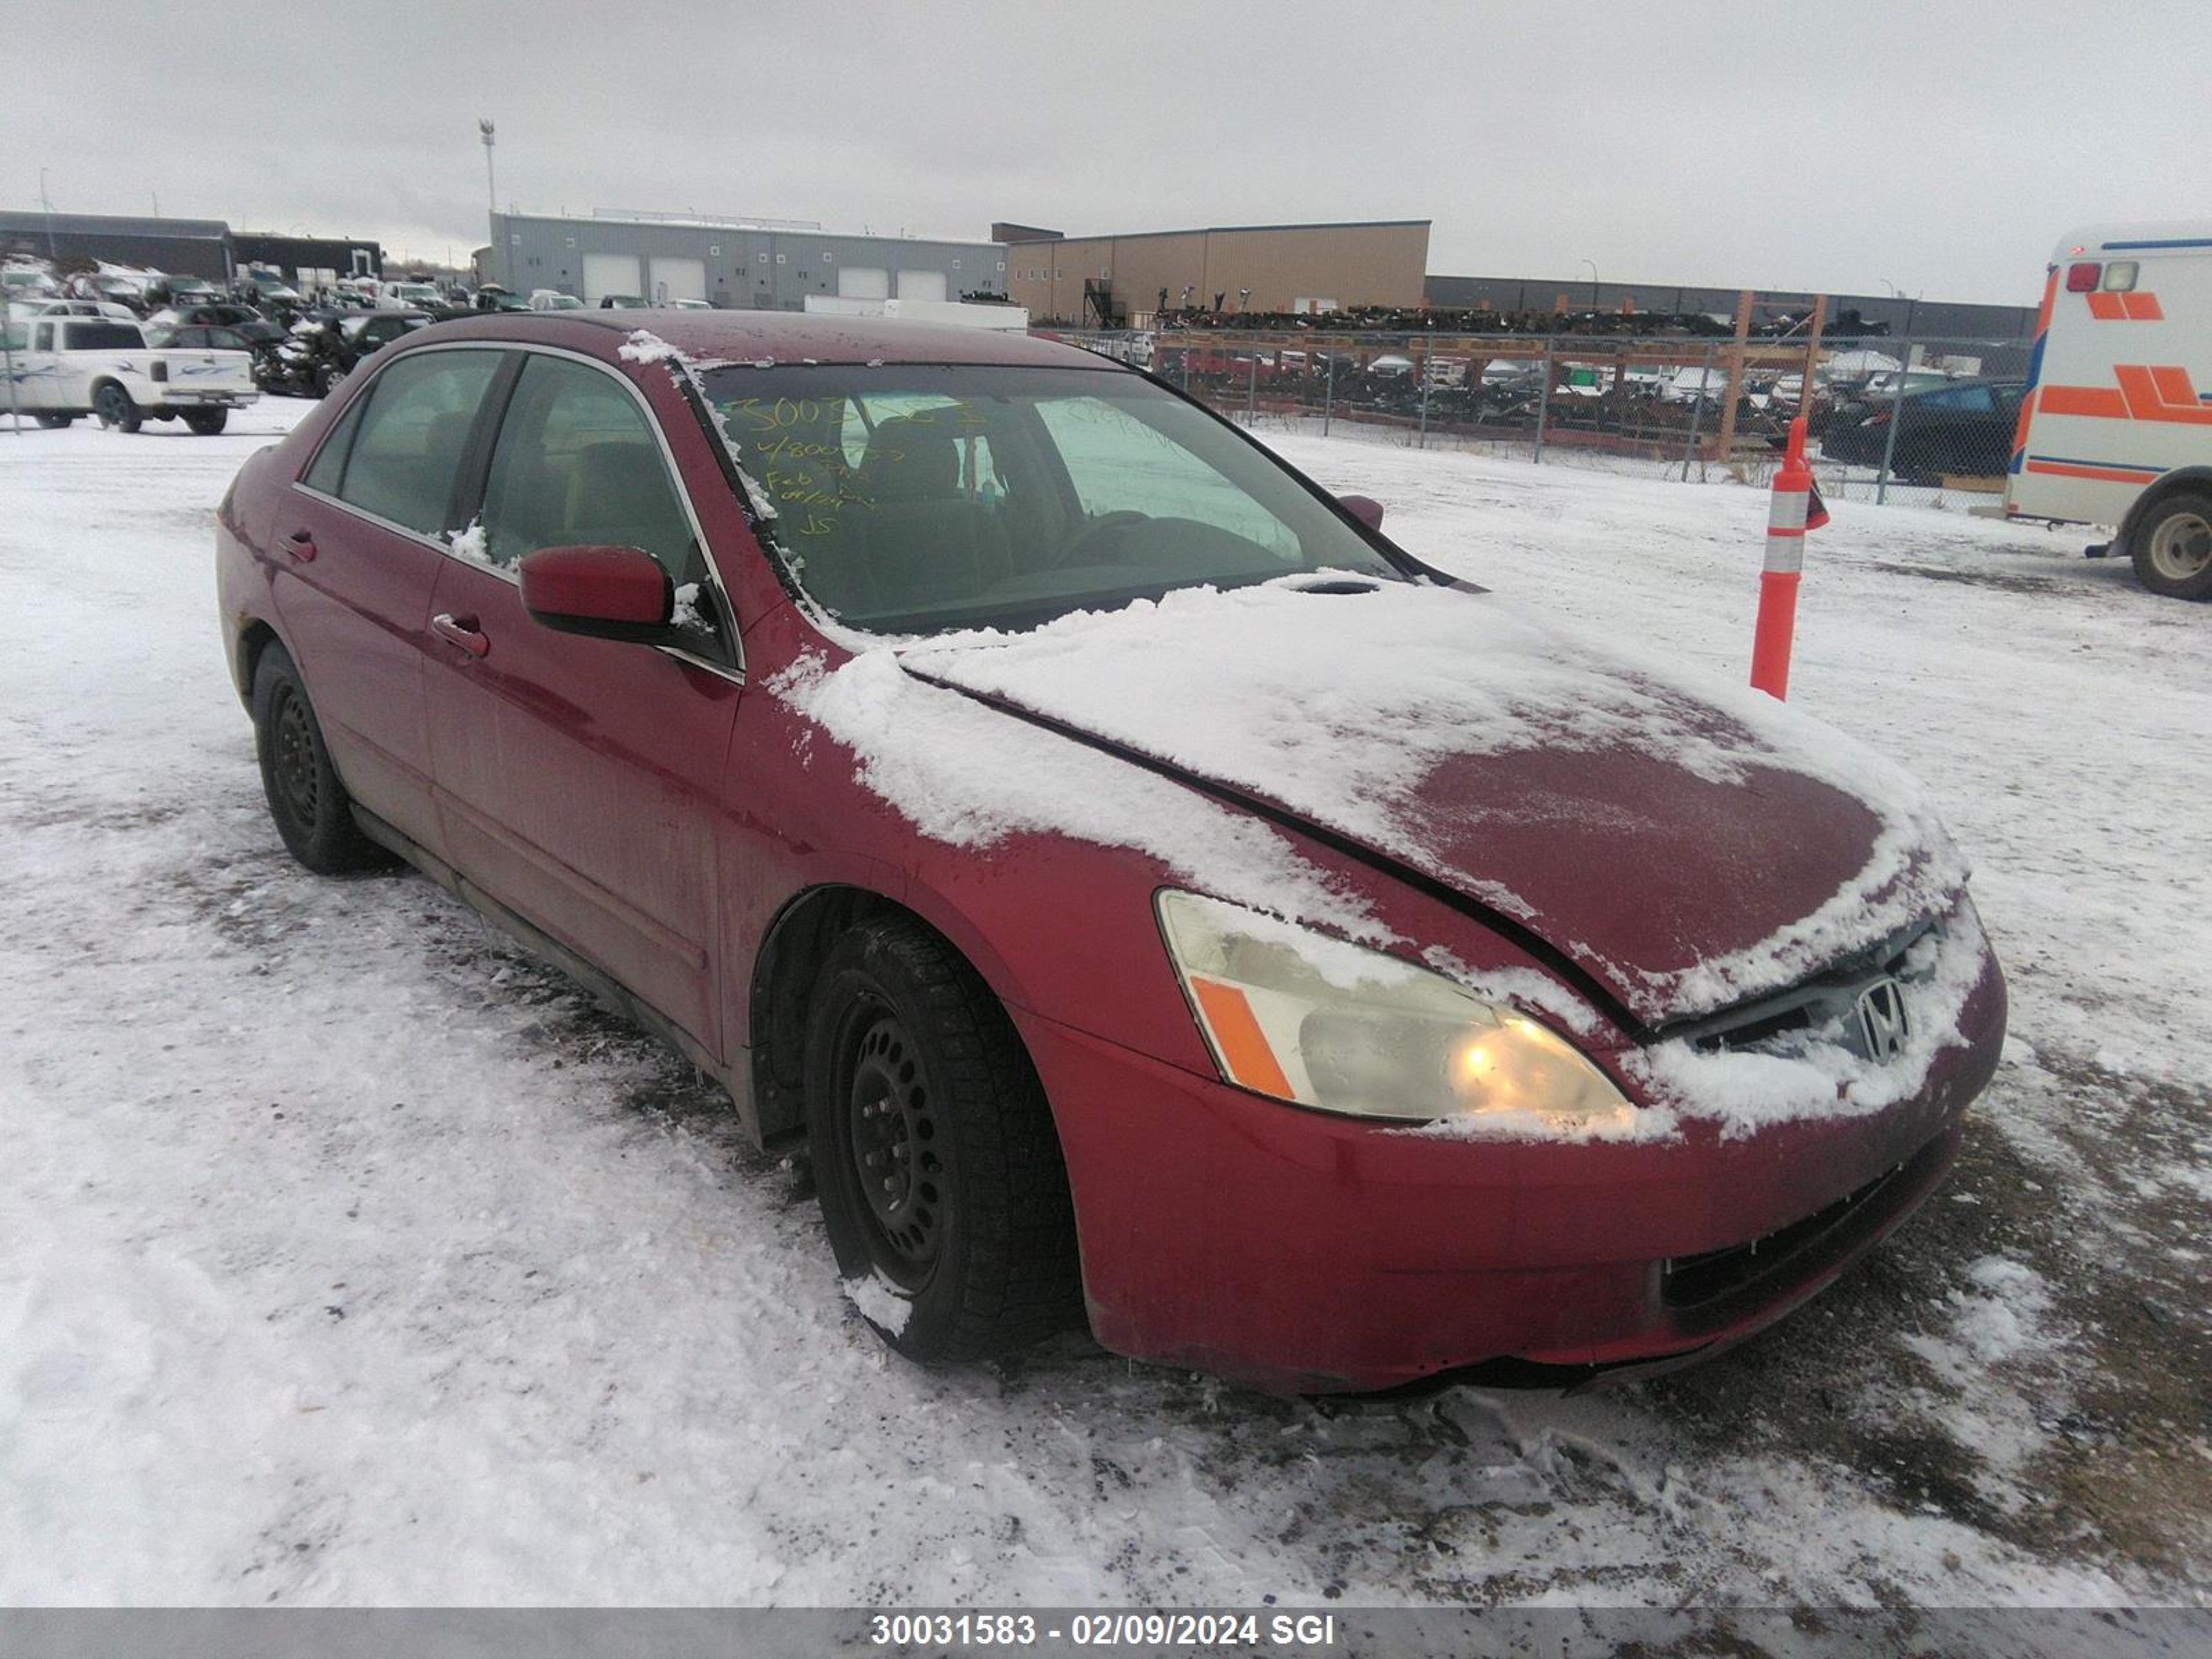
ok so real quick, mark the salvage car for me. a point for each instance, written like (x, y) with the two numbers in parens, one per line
(1157, 899)
(1955, 428)
(133, 289)
(324, 346)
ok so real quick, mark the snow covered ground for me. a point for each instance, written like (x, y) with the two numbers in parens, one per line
(347, 1256)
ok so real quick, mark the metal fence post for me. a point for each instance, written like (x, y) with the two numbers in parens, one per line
(1328, 396)
(1896, 420)
(1696, 414)
(1421, 441)
(1543, 400)
(1251, 384)
(8, 351)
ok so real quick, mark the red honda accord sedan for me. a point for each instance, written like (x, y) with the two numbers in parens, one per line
(1156, 896)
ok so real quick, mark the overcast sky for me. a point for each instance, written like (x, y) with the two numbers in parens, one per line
(1940, 147)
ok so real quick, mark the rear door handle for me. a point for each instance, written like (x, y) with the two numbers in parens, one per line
(301, 545)
(462, 631)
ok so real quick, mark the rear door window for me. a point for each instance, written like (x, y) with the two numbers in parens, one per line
(407, 450)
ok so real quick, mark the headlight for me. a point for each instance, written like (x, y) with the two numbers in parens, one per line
(1305, 1017)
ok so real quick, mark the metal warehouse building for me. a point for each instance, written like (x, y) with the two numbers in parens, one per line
(190, 248)
(1110, 280)
(761, 265)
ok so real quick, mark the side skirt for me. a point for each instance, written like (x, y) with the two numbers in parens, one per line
(735, 1078)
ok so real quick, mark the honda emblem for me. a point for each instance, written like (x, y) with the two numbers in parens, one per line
(1884, 1026)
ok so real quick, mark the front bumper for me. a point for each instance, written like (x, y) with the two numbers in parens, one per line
(1303, 1252)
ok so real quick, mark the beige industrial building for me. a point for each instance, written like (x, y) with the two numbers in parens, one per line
(1116, 280)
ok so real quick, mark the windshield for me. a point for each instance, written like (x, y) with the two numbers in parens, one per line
(918, 497)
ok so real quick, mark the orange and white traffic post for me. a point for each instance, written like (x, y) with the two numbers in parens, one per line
(1796, 507)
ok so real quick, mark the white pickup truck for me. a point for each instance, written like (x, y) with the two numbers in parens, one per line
(65, 367)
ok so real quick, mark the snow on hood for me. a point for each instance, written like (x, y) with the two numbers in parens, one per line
(1688, 843)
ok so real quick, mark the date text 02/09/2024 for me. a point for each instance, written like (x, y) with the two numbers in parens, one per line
(1148, 1629)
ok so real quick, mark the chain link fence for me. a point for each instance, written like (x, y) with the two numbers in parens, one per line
(1927, 421)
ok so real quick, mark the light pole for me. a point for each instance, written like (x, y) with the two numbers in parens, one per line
(491, 180)
(1592, 263)
(1910, 301)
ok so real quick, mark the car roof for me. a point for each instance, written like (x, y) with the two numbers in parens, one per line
(786, 338)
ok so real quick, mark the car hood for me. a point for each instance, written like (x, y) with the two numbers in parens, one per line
(1686, 844)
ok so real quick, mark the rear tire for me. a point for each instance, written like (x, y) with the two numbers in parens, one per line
(2172, 547)
(207, 422)
(310, 808)
(115, 409)
(56, 422)
(935, 1160)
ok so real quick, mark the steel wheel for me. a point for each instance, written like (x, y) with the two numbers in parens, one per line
(307, 801)
(935, 1159)
(890, 1135)
(297, 773)
(2180, 547)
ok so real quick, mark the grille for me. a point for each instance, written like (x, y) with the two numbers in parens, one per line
(1802, 1006)
(1692, 1281)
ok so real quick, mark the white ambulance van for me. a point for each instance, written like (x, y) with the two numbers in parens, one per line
(2116, 426)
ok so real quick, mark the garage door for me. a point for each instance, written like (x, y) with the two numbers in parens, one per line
(921, 285)
(608, 273)
(863, 282)
(678, 279)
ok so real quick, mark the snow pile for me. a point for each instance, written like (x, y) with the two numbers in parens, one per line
(2002, 1315)
(473, 543)
(880, 1305)
(644, 346)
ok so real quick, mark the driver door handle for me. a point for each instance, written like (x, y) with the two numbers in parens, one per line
(462, 631)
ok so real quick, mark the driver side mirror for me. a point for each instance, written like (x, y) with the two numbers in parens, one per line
(1365, 509)
(602, 592)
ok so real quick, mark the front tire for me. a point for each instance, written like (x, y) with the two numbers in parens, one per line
(2172, 547)
(115, 409)
(938, 1170)
(312, 809)
(207, 422)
